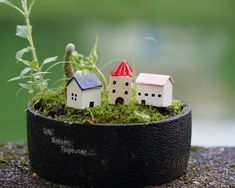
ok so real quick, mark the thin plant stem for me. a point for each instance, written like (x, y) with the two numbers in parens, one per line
(92, 115)
(101, 76)
(31, 42)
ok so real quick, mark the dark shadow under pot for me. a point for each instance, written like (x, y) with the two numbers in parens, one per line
(103, 155)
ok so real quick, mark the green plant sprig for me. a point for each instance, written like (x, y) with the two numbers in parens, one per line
(85, 63)
(32, 76)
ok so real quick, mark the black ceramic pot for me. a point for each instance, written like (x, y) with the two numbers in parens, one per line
(97, 155)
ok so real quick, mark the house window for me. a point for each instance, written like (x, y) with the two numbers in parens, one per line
(127, 83)
(159, 95)
(153, 95)
(126, 92)
(74, 96)
(139, 93)
(146, 94)
(114, 82)
(114, 91)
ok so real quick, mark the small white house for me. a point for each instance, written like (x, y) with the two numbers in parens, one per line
(120, 84)
(154, 89)
(83, 91)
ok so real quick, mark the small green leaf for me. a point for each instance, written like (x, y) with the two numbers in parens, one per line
(30, 82)
(93, 52)
(37, 101)
(36, 77)
(25, 86)
(18, 78)
(30, 91)
(142, 115)
(83, 66)
(31, 5)
(22, 31)
(49, 60)
(52, 66)
(12, 6)
(15, 78)
(18, 92)
(25, 71)
(21, 52)
(27, 63)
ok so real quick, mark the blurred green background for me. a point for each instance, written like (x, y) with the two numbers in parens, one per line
(194, 41)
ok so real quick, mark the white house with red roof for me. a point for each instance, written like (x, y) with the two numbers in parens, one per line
(154, 89)
(120, 84)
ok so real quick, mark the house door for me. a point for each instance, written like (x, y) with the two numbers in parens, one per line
(143, 102)
(91, 104)
(119, 100)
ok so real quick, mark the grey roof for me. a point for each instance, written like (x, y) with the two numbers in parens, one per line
(86, 81)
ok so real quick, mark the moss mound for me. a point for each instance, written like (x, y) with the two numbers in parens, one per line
(52, 104)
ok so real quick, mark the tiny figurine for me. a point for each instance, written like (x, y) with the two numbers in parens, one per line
(120, 84)
(83, 91)
(154, 89)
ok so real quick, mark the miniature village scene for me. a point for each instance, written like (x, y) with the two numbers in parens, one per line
(84, 90)
(124, 98)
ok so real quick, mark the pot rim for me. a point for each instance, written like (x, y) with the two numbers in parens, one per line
(186, 109)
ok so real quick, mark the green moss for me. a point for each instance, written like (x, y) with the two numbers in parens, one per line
(105, 113)
(49, 100)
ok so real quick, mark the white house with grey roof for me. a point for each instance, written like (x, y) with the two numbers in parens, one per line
(154, 89)
(83, 91)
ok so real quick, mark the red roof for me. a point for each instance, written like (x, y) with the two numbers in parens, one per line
(122, 69)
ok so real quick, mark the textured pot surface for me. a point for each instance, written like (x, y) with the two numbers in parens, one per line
(96, 155)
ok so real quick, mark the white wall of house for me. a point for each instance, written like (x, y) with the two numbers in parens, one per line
(120, 86)
(91, 96)
(74, 95)
(168, 92)
(159, 96)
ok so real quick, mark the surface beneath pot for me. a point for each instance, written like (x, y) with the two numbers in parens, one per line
(208, 167)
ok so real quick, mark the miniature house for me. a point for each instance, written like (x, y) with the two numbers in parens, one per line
(120, 84)
(83, 91)
(154, 89)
